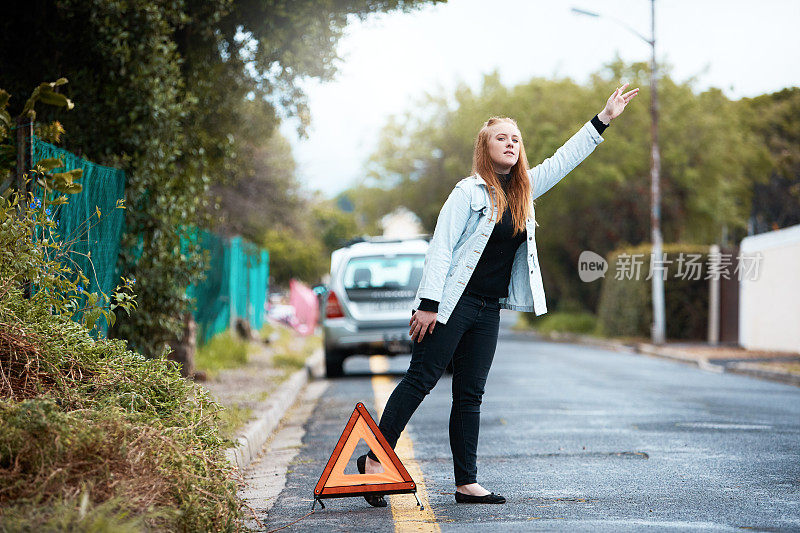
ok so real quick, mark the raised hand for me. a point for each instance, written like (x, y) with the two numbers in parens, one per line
(616, 104)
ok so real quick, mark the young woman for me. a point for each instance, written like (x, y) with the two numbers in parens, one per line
(475, 266)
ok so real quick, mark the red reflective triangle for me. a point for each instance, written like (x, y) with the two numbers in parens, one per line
(334, 483)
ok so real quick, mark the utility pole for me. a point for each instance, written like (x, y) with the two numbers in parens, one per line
(658, 330)
(659, 322)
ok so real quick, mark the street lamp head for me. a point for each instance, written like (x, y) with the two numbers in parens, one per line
(584, 12)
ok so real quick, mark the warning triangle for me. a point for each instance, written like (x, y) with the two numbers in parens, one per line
(334, 483)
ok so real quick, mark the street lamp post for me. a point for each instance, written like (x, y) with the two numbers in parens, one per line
(658, 332)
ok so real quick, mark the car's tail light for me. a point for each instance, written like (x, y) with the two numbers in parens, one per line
(332, 307)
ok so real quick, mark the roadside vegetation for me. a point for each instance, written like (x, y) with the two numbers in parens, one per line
(289, 351)
(223, 351)
(581, 323)
(241, 374)
(94, 436)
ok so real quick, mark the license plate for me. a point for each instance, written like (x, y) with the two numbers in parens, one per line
(396, 337)
(389, 305)
(397, 346)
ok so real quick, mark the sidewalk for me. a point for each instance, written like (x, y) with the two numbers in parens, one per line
(775, 366)
(259, 393)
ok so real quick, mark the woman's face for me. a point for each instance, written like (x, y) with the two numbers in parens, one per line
(504, 141)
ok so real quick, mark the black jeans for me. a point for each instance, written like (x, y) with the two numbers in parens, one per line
(470, 339)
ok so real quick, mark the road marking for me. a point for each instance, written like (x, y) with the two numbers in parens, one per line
(405, 512)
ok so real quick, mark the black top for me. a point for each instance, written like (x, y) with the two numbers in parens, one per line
(493, 271)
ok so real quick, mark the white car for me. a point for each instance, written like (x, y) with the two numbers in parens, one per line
(369, 300)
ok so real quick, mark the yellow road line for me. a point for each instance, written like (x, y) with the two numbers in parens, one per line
(407, 515)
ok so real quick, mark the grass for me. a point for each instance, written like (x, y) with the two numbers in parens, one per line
(232, 418)
(226, 350)
(781, 366)
(291, 358)
(287, 354)
(73, 514)
(567, 322)
(267, 330)
(289, 361)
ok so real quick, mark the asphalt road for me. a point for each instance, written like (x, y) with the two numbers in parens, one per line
(577, 439)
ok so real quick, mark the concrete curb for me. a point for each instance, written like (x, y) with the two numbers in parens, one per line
(255, 434)
(750, 369)
(673, 354)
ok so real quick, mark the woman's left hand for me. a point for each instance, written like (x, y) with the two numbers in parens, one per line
(616, 104)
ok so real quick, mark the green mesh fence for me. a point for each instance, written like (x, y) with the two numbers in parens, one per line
(93, 243)
(234, 287)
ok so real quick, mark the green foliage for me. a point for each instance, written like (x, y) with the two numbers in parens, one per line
(291, 352)
(232, 418)
(42, 173)
(106, 420)
(301, 249)
(46, 94)
(5, 117)
(161, 89)
(335, 227)
(78, 414)
(559, 322)
(82, 417)
(626, 307)
(73, 514)
(32, 251)
(294, 256)
(773, 118)
(226, 350)
(262, 190)
(58, 181)
(290, 361)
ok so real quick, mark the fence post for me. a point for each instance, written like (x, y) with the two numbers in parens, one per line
(24, 127)
(24, 154)
(713, 296)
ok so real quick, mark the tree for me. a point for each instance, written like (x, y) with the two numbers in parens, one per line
(773, 118)
(160, 86)
(261, 191)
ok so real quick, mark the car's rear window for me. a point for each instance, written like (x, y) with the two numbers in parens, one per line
(384, 272)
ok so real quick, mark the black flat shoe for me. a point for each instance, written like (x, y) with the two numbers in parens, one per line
(488, 498)
(375, 500)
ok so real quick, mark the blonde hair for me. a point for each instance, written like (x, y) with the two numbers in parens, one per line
(517, 197)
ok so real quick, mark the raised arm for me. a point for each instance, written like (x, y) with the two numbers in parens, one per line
(550, 171)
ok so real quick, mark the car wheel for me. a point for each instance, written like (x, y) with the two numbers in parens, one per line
(334, 363)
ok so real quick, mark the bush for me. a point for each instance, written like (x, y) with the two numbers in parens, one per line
(626, 308)
(91, 433)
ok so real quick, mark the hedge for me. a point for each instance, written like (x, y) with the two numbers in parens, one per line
(626, 310)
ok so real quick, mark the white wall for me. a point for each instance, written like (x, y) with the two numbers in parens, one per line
(769, 306)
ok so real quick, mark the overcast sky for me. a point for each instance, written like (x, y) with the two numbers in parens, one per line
(745, 48)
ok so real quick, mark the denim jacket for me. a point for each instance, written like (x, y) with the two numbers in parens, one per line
(463, 228)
